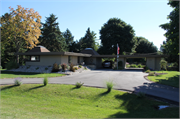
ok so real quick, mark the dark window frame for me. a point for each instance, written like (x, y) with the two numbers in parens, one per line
(33, 60)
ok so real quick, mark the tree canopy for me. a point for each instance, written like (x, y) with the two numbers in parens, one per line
(20, 28)
(144, 46)
(88, 41)
(69, 39)
(171, 45)
(113, 32)
(51, 37)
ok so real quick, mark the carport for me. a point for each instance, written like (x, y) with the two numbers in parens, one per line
(95, 61)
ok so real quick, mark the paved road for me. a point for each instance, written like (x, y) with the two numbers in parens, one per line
(128, 80)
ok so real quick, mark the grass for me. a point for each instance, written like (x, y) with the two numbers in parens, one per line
(10, 74)
(66, 101)
(171, 78)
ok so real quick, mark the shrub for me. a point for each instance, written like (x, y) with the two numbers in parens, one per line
(163, 64)
(68, 67)
(75, 68)
(151, 74)
(72, 67)
(109, 86)
(133, 65)
(63, 67)
(128, 65)
(79, 84)
(80, 66)
(143, 66)
(139, 65)
(55, 67)
(147, 71)
(60, 66)
(11, 65)
(45, 81)
(17, 82)
(141, 95)
(85, 68)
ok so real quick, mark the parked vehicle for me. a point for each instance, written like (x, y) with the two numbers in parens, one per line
(107, 64)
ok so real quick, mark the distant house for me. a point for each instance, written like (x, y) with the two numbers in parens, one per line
(43, 57)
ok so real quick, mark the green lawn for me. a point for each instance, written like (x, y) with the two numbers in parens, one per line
(10, 74)
(66, 101)
(171, 78)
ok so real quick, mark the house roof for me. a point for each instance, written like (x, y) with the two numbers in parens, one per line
(38, 48)
(89, 51)
(41, 50)
(129, 56)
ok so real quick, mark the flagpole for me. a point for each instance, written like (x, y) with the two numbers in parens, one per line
(117, 56)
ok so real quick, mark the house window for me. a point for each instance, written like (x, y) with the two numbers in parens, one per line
(69, 59)
(33, 58)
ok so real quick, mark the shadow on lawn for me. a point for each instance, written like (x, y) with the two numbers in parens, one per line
(171, 81)
(133, 105)
(74, 88)
(101, 94)
(8, 87)
(18, 73)
(140, 108)
(35, 87)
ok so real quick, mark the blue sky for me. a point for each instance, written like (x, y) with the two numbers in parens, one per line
(144, 16)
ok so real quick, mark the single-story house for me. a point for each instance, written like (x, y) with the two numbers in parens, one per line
(43, 57)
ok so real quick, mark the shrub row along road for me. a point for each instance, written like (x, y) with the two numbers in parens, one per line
(128, 80)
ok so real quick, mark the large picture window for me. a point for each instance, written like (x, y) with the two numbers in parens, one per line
(33, 58)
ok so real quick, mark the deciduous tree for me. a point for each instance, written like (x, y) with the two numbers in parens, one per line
(22, 27)
(144, 46)
(172, 32)
(113, 32)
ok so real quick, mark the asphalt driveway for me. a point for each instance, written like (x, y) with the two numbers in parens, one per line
(128, 80)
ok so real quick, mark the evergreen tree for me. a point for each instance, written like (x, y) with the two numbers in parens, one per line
(75, 47)
(69, 39)
(88, 41)
(52, 38)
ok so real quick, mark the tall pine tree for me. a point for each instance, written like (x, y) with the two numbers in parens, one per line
(51, 37)
(69, 39)
(88, 41)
